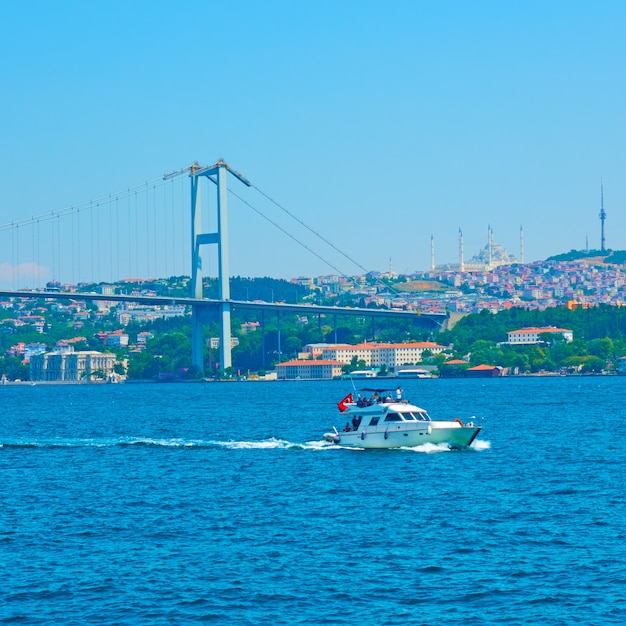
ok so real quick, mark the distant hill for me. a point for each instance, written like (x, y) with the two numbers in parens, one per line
(613, 257)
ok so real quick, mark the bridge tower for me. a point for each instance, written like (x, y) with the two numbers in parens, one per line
(216, 173)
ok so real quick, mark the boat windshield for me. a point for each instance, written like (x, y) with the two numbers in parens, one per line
(393, 417)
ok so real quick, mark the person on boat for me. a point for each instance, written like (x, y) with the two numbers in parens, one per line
(375, 398)
(346, 428)
(399, 393)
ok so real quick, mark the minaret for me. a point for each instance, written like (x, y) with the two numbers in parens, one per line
(521, 244)
(432, 253)
(489, 244)
(461, 259)
(602, 218)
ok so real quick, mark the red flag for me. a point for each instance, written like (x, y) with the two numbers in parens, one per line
(343, 404)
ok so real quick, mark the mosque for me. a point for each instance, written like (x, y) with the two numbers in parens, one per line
(491, 256)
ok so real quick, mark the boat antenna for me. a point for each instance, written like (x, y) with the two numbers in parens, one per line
(353, 385)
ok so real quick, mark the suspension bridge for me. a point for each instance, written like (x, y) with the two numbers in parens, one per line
(159, 228)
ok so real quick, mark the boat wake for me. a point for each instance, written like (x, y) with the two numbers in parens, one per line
(431, 448)
(96, 443)
(149, 442)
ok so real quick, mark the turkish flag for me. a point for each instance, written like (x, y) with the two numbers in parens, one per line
(343, 404)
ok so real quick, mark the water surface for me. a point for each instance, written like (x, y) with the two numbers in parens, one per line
(190, 503)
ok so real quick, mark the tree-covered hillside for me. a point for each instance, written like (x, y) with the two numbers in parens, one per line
(599, 338)
(614, 257)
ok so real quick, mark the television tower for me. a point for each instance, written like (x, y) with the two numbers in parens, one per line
(432, 253)
(602, 218)
(461, 259)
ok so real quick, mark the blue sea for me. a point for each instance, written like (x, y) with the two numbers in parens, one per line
(219, 503)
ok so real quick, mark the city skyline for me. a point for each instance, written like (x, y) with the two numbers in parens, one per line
(376, 129)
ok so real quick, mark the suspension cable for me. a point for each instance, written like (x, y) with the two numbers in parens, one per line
(76, 208)
(289, 234)
(321, 237)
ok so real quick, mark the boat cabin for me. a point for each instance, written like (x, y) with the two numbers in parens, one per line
(384, 413)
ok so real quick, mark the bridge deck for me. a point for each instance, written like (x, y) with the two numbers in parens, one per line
(302, 309)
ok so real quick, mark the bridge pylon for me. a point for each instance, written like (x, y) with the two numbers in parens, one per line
(216, 173)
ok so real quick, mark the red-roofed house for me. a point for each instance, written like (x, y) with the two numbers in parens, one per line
(483, 371)
(528, 336)
(375, 354)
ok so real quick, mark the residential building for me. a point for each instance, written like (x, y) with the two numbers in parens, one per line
(390, 355)
(528, 336)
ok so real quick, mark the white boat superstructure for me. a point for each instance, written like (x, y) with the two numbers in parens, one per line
(385, 423)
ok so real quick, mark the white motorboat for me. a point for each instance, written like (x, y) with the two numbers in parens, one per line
(383, 422)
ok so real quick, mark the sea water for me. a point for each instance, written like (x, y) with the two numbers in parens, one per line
(219, 503)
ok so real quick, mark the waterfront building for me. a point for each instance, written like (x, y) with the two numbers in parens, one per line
(483, 371)
(308, 370)
(528, 336)
(390, 355)
(67, 365)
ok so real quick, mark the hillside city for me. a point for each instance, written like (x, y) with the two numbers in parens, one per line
(45, 339)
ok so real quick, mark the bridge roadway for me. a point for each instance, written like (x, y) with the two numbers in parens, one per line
(435, 320)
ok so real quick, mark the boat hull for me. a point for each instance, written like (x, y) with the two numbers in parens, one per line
(452, 433)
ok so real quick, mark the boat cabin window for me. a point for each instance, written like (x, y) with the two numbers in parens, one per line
(409, 417)
(374, 421)
(393, 417)
(422, 415)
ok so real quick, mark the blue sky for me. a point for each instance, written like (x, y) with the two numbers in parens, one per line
(376, 124)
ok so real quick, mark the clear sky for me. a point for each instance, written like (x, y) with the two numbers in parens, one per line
(376, 124)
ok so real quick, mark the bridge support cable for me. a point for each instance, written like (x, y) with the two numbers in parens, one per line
(117, 238)
(311, 230)
(263, 355)
(278, 348)
(74, 236)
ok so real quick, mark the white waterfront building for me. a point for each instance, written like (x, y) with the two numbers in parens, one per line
(307, 369)
(374, 354)
(532, 335)
(68, 365)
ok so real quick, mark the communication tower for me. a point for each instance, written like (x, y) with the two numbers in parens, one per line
(432, 252)
(602, 218)
(461, 255)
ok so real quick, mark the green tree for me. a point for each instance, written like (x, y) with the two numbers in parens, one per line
(601, 348)
(14, 369)
(593, 364)
(485, 352)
